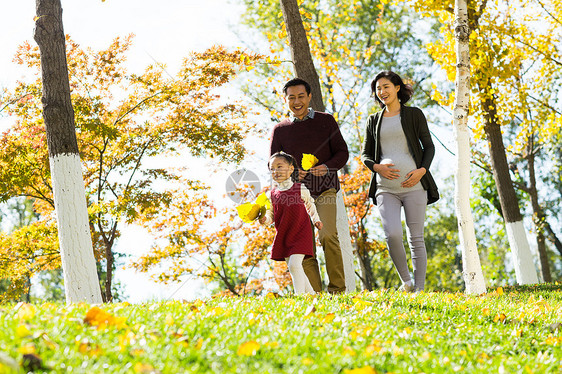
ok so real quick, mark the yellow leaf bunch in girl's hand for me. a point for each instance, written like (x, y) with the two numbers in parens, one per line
(308, 161)
(249, 212)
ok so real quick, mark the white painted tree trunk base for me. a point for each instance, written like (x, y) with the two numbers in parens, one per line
(342, 224)
(81, 281)
(525, 270)
(473, 277)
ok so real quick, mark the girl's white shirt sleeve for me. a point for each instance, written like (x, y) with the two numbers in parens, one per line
(309, 204)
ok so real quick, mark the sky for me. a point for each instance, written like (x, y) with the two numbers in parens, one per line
(165, 31)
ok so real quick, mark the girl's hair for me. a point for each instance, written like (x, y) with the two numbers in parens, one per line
(290, 160)
(405, 92)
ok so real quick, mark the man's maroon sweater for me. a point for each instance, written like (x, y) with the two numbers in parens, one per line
(319, 136)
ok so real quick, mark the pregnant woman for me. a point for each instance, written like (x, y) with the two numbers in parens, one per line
(398, 150)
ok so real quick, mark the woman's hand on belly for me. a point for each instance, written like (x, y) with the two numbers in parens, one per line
(413, 177)
(386, 171)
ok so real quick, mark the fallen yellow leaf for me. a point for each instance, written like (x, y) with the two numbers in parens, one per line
(248, 349)
(499, 318)
(329, 317)
(397, 351)
(144, 368)
(27, 349)
(349, 351)
(137, 352)
(553, 340)
(126, 340)
(169, 319)
(89, 349)
(363, 370)
(374, 347)
(101, 319)
(22, 331)
(517, 332)
(25, 311)
(272, 295)
(217, 311)
(272, 344)
(361, 304)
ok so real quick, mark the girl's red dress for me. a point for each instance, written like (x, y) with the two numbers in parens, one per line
(292, 222)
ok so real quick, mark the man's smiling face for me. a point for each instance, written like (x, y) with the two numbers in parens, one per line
(298, 100)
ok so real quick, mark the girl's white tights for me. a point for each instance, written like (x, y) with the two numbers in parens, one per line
(301, 284)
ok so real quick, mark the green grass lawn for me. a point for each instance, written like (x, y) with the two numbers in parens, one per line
(516, 330)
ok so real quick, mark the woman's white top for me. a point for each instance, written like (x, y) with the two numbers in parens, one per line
(394, 150)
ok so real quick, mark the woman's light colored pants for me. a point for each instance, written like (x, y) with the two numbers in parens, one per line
(414, 204)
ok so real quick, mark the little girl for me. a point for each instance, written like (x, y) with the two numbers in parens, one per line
(292, 209)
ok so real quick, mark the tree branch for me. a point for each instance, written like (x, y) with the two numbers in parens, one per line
(135, 107)
(547, 12)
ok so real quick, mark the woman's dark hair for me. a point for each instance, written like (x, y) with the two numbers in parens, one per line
(290, 160)
(405, 92)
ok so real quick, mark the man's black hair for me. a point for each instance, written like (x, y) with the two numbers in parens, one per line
(297, 82)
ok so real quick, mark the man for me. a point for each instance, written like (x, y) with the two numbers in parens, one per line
(318, 134)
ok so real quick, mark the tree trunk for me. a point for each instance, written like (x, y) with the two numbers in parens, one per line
(342, 222)
(77, 256)
(472, 270)
(538, 215)
(300, 52)
(364, 259)
(518, 242)
(552, 236)
(110, 260)
(304, 69)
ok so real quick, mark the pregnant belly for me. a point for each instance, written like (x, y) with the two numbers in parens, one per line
(405, 165)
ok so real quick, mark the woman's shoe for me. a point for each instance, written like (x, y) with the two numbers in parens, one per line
(407, 287)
